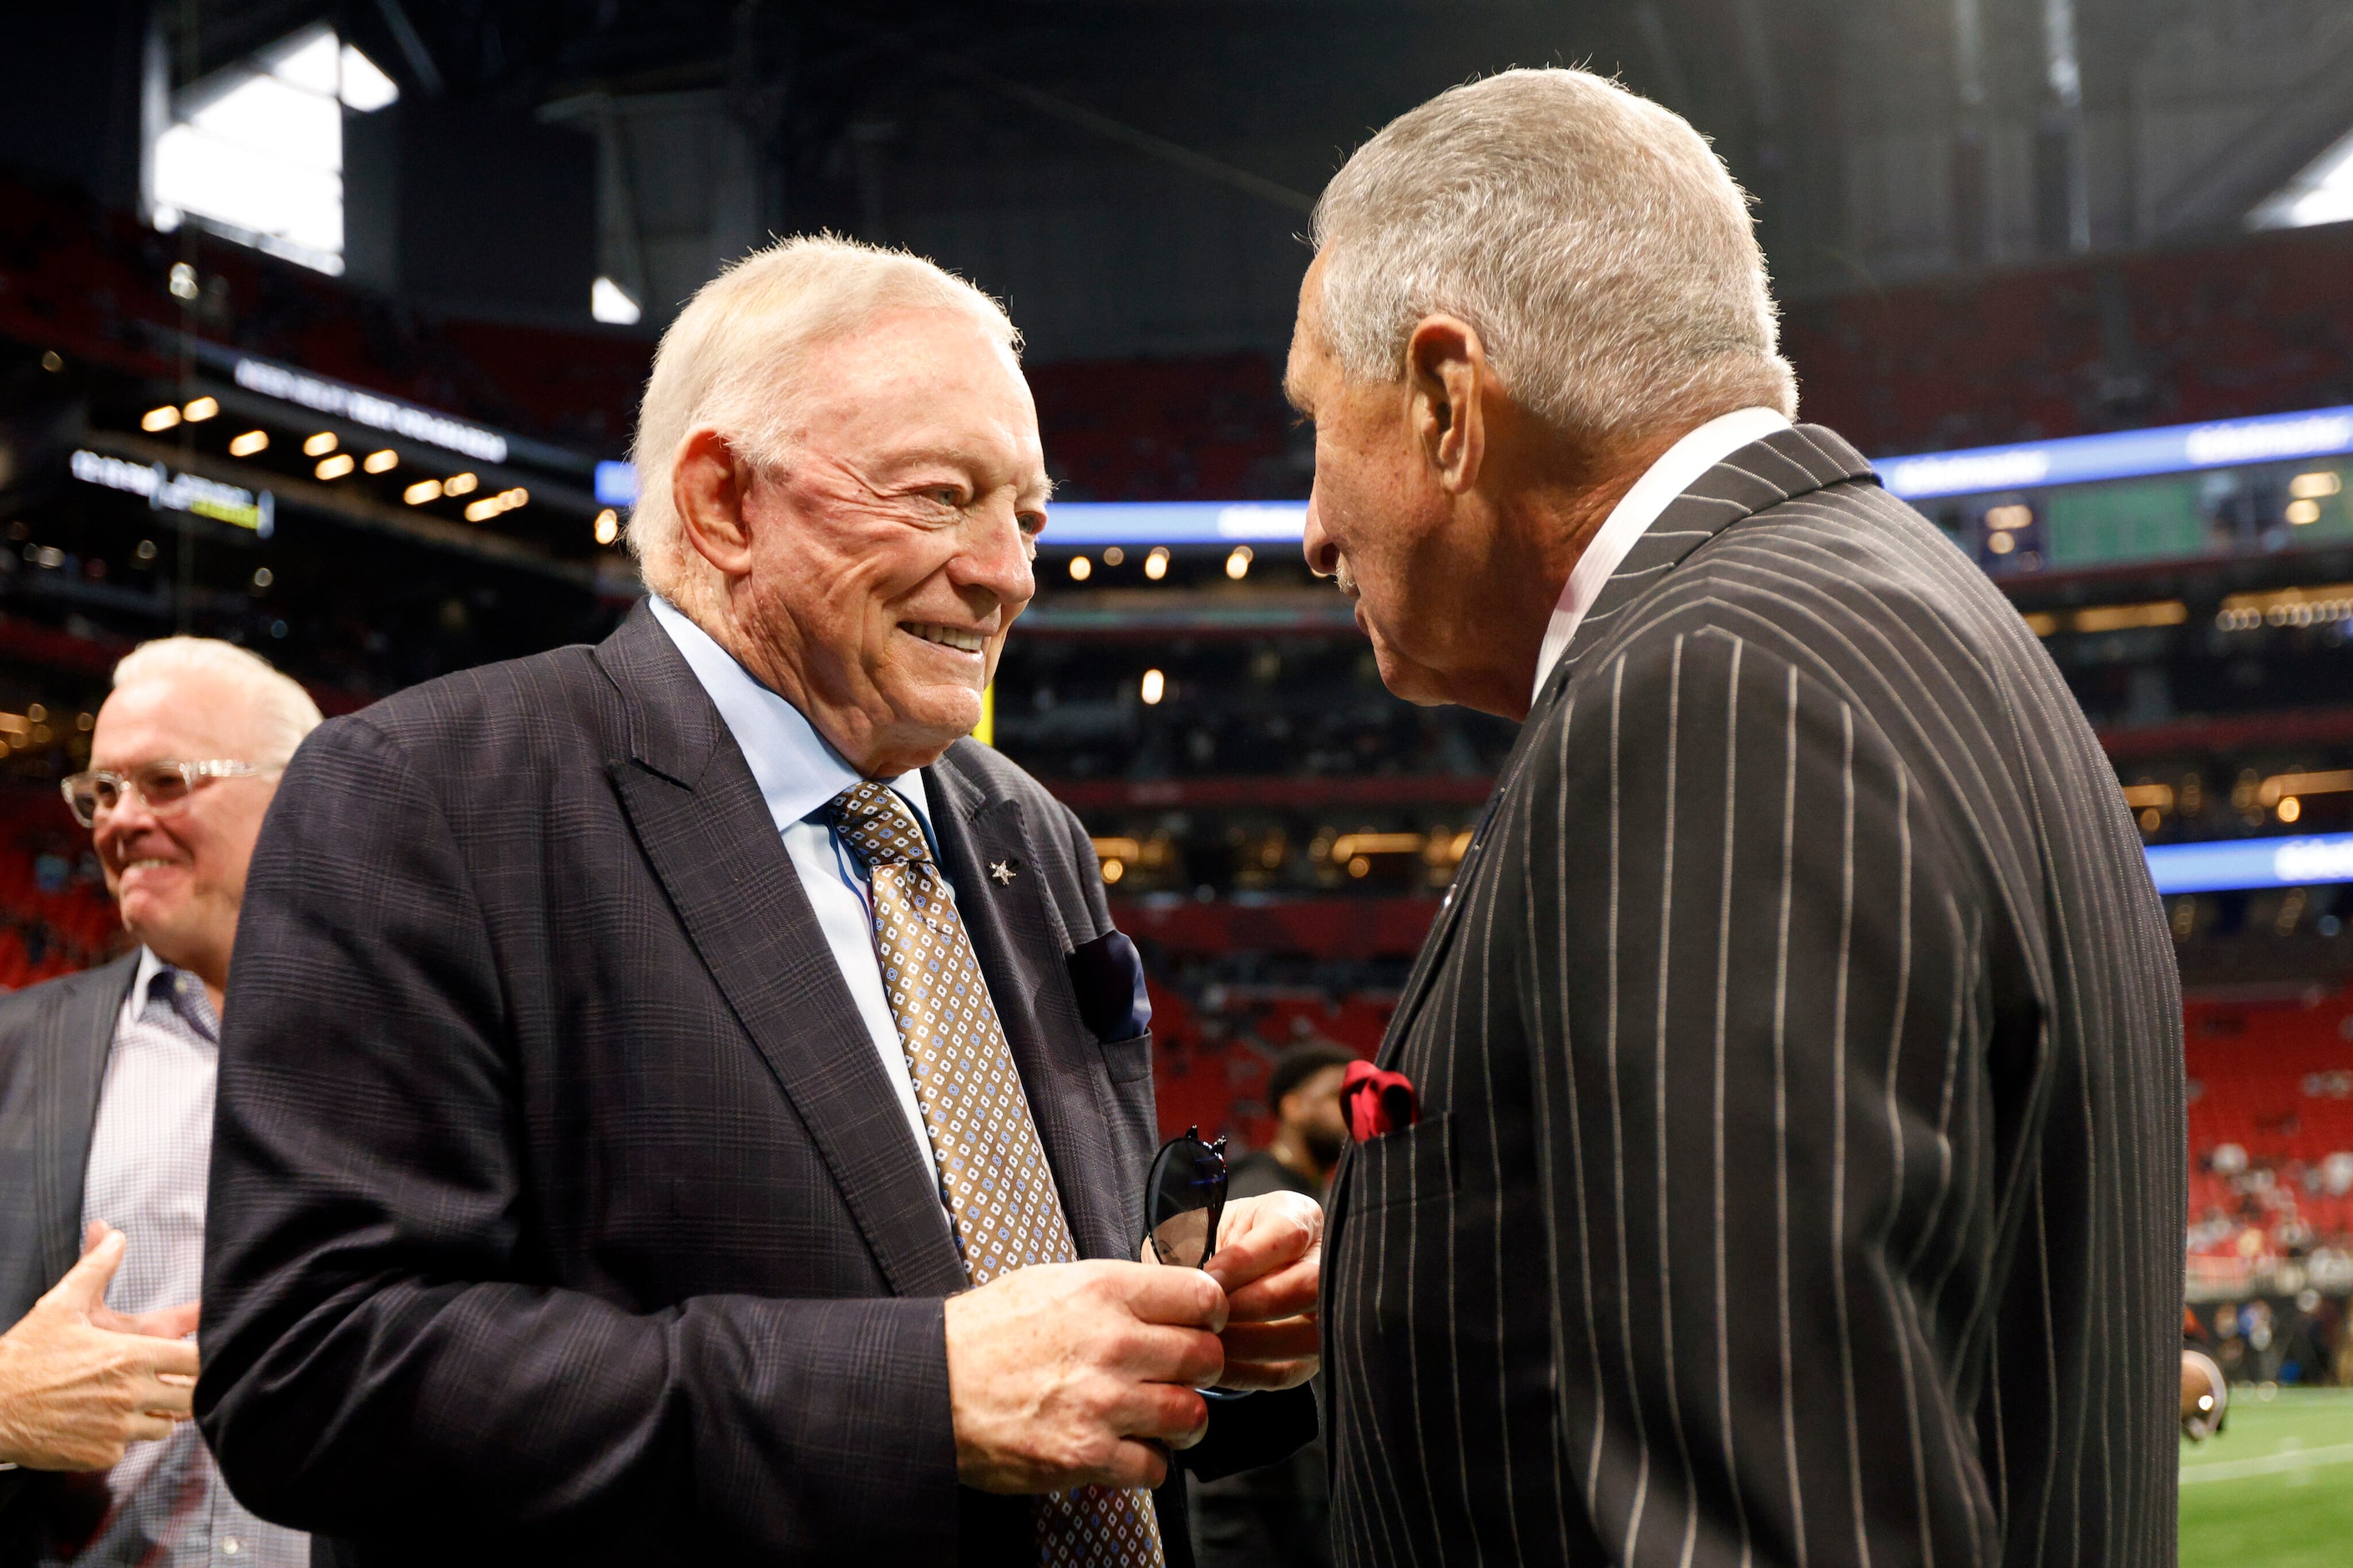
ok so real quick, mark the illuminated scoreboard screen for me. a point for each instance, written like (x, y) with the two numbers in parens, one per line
(2236, 487)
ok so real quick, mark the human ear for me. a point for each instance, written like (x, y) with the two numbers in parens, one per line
(1447, 373)
(708, 486)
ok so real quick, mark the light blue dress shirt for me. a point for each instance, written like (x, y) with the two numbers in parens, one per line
(798, 774)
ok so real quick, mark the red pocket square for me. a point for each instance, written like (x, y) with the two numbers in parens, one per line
(1376, 1103)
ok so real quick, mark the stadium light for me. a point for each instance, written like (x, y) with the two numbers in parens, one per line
(2322, 192)
(1154, 687)
(608, 526)
(610, 303)
(458, 484)
(382, 462)
(617, 483)
(1238, 563)
(336, 467)
(156, 419)
(1081, 568)
(320, 445)
(489, 506)
(2246, 864)
(247, 445)
(420, 493)
(260, 157)
(1155, 565)
(2123, 455)
(200, 409)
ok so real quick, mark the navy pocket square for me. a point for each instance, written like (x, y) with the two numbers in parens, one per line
(1107, 973)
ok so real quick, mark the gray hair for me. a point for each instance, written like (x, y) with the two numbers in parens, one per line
(1593, 239)
(732, 361)
(280, 710)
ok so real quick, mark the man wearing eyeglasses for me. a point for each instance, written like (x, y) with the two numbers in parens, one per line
(106, 1102)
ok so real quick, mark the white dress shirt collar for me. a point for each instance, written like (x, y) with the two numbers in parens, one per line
(796, 771)
(1677, 469)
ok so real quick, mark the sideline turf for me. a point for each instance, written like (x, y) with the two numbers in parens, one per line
(2278, 1492)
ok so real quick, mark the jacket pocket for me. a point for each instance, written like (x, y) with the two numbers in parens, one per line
(1409, 1166)
(1128, 1060)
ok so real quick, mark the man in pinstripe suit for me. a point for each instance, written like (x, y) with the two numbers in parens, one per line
(1797, 1173)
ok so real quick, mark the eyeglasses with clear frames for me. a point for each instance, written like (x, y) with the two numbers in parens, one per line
(162, 784)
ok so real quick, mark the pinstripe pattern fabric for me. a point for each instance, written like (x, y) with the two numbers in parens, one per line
(1801, 1173)
(993, 1172)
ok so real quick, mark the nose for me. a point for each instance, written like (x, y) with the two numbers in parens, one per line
(996, 559)
(116, 824)
(1323, 555)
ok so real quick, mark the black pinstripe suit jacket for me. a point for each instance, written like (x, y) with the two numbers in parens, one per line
(1800, 1176)
(561, 1209)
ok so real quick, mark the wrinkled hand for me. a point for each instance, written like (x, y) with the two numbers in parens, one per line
(1069, 1374)
(79, 1383)
(1270, 1263)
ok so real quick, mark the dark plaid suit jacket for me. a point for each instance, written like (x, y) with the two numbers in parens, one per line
(54, 1041)
(1799, 1177)
(561, 1208)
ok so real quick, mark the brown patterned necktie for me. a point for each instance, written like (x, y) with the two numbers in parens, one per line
(993, 1171)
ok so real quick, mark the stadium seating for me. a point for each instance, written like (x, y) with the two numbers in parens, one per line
(55, 914)
(2271, 1128)
(2250, 326)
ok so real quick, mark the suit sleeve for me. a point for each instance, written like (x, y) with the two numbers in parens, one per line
(1746, 957)
(383, 1342)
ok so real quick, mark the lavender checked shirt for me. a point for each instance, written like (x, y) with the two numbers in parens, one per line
(148, 1154)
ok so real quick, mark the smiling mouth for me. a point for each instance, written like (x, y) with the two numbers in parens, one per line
(945, 637)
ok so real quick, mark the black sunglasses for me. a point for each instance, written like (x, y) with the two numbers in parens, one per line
(1184, 1198)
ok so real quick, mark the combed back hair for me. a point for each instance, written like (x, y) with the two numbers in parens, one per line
(1593, 239)
(281, 712)
(733, 362)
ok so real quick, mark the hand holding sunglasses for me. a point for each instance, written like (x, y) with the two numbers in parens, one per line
(1265, 1252)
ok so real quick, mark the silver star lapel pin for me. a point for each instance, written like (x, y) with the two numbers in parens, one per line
(1003, 871)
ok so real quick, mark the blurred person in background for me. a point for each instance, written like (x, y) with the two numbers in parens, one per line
(1302, 1093)
(1280, 1516)
(1783, 1162)
(106, 1112)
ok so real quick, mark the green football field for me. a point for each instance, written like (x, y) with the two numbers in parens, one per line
(2275, 1489)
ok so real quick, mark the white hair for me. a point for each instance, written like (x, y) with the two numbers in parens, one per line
(281, 712)
(732, 361)
(1593, 239)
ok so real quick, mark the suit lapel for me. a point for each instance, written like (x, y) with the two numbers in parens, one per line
(1765, 473)
(1782, 466)
(1020, 945)
(75, 1035)
(702, 824)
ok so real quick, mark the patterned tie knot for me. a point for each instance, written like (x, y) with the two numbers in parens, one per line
(879, 826)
